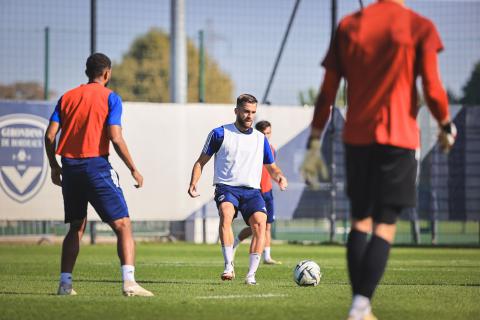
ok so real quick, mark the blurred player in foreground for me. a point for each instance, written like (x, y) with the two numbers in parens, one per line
(89, 117)
(266, 188)
(379, 51)
(240, 153)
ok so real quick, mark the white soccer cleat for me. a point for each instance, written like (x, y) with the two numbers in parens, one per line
(368, 316)
(250, 280)
(361, 309)
(228, 273)
(133, 289)
(271, 261)
(65, 289)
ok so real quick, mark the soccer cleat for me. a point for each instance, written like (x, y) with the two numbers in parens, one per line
(361, 309)
(228, 273)
(65, 289)
(271, 261)
(250, 280)
(368, 316)
(133, 289)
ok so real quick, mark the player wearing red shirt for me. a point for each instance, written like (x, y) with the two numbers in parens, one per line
(89, 117)
(379, 51)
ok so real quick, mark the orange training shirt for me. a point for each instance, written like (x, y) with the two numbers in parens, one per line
(84, 114)
(379, 51)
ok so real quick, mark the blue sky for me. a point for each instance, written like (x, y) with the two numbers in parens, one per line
(242, 35)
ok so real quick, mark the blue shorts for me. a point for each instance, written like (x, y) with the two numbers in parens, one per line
(244, 199)
(91, 180)
(268, 197)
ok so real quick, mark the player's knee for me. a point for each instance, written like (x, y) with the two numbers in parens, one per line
(385, 231)
(120, 225)
(225, 221)
(257, 228)
(364, 225)
(258, 224)
(226, 218)
(77, 227)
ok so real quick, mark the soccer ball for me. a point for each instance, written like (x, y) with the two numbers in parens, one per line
(307, 273)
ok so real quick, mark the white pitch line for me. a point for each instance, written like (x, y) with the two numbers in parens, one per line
(239, 296)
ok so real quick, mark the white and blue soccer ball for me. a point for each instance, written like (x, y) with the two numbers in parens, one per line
(307, 273)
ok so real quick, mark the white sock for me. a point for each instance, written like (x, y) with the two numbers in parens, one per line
(360, 306)
(266, 254)
(128, 273)
(66, 277)
(236, 242)
(228, 255)
(254, 262)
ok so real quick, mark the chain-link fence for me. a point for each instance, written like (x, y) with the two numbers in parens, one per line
(242, 39)
(44, 45)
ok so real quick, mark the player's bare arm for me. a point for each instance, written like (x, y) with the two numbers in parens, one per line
(196, 173)
(277, 176)
(120, 146)
(50, 146)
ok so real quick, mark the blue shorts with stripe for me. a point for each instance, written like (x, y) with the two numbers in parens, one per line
(268, 197)
(91, 180)
(244, 199)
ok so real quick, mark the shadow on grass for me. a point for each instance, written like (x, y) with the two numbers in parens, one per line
(315, 243)
(27, 293)
(180, 282)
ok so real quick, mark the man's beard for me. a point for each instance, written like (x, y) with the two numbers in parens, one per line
(243, 123)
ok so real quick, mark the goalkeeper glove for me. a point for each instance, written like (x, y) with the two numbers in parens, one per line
(313, 164)
(447, 136)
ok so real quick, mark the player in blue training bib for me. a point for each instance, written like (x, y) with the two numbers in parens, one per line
(240, 153)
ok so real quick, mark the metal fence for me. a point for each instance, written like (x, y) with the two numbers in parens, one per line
(44, 45)
(242, 38)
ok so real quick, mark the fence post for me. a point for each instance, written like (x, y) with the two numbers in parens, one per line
(201, 68)
(204, 223)
(414, 226)
(47, 56)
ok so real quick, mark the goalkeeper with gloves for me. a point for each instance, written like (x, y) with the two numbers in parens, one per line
(379, 51)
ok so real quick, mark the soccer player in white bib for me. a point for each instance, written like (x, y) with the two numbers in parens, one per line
(240, 153)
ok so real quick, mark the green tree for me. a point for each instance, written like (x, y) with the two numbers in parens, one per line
(471, 90)
(30, 90)
(308, 98)
(143, 73)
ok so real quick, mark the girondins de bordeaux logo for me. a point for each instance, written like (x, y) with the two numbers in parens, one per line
(23, 162)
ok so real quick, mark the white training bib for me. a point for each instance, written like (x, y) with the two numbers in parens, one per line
(239, 160)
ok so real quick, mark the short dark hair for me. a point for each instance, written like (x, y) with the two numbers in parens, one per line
(262, 125)
(96, 65)
(244, 99)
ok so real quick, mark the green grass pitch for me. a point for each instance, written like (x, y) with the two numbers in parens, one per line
(420, 283)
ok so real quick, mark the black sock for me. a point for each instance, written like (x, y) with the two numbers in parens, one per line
(356, 246)
(373, 265)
